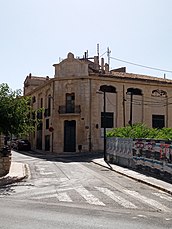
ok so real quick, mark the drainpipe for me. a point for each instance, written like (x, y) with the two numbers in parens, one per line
(90, 120)
(131, 110)
(52, 144)
(123, 103)
(166, 111)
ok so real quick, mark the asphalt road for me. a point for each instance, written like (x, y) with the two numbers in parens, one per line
(75, 193)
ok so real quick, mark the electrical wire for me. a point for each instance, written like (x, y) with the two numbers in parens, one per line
(149, 102)
(103, 54)
(110, 101)
(140, 65)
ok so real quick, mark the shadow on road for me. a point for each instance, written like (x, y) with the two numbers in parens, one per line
(64, 157)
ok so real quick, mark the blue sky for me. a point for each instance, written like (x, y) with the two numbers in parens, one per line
(36, 33)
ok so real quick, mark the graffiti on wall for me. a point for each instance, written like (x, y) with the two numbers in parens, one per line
(142, 153)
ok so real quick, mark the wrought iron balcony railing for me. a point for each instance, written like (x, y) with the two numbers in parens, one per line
(69, 109)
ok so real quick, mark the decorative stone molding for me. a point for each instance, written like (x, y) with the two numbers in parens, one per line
(159, 93)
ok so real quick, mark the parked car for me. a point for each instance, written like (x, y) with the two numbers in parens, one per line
(23, 144)
(14, 143)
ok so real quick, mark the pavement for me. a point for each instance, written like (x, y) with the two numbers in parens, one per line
(20, 171)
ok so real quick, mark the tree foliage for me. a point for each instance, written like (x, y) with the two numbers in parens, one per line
(15, 112)
(140, 130)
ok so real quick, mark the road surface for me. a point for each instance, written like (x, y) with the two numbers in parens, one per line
(76, 193)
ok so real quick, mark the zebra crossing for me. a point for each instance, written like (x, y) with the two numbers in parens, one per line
(98, 196)
(57, 183)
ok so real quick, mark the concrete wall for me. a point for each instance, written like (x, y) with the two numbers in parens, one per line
(5, 161)
(153, 156)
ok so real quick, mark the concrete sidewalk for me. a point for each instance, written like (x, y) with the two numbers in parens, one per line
(156, 183)
(18, 171)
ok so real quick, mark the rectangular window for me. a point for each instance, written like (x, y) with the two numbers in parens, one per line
(39, 126)
(39, 114)
(49, 105)
(107, 119)
(47, 123)
(158, 121)
(41, 102)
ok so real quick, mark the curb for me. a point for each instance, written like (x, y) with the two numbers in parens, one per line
(6, 180)
(134, 178)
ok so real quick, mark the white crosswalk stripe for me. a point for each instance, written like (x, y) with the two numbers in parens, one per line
(64, 197)
(45, 196)
(68, 193)
(123, 202)
(162, 196)
(90, 198)
(150, 202)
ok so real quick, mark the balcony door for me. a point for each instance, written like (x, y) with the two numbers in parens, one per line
(70, 103)
(70, 136)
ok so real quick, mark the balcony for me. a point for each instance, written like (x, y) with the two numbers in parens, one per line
(70, 110)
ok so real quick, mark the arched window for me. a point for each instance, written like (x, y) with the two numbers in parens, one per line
(159, 93)
(134, 91)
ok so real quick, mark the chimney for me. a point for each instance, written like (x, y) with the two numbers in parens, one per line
(96, 62)
(102, 64)
(106, 68)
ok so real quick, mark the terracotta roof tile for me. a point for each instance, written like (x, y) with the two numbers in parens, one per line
(139, 77)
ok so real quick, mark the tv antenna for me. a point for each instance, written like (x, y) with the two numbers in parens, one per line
(108, 55)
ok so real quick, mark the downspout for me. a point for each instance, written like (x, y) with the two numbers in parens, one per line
(116, 110)
(90, 120)
(131, 110)
(123, 103)
(142, 109)
(166, 111)
(52, 144)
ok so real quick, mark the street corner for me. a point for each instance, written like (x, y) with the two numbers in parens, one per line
(18, 172)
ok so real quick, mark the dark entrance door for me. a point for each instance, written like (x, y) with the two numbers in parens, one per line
(69, 136)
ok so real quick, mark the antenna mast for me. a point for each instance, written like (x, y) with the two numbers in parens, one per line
(98, 51)
(108, 55)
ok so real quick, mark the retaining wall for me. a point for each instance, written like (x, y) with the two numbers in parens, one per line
(149, 155)
(5, 161)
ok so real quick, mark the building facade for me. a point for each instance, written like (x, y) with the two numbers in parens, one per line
(81, 92)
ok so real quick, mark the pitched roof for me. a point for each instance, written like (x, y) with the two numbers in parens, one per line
(139, 77)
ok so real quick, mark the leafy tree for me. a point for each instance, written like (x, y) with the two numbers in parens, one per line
(15, 112)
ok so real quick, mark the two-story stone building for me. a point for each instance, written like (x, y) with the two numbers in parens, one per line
(74, 101)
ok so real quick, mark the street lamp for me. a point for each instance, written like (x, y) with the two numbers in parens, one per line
(103, 89)
(131, 92)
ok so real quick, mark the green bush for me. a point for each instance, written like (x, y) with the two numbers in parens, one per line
(140, 130)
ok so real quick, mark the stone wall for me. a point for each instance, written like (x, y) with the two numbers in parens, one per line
(5, 161)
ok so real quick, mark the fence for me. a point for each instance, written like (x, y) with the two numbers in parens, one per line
(154, 156)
